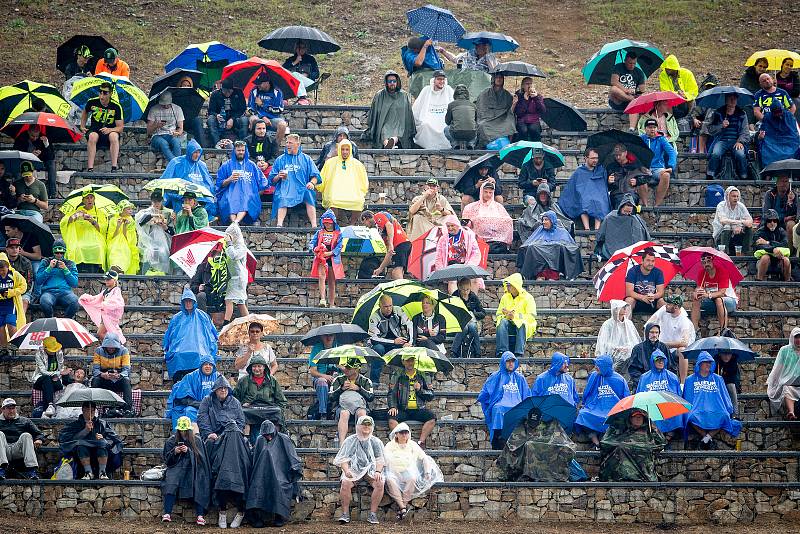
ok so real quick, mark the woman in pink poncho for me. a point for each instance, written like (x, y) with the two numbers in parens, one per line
(489, 220)
(106, 308)
(457, 245)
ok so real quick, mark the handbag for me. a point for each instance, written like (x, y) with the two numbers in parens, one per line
(155, 473)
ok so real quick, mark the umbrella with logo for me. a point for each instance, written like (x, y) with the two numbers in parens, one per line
(173, 78)
(106, 198)
(561, 115)
(69, 333)
(285, 40)
(692, 267)
(598, 69)
(98, 396)
(551, 407)
(179, 187)
(362, 240)
(517, 68)
(714, 98)
(243, 74)
(426, 360)
(55, 128)
(610, 279)
(347, 355)
(646, 102)
(65, 53)
(343, 333)
(30, 226)
(18, 98)
(435, 23)
(236, 332)
(209, 58)
(130, 98)
(498, 42)
(519, 153)
(189, 249)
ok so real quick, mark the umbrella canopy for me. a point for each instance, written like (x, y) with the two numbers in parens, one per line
(13, 158)
(243, 73)
(452, 309)
(610, 279)
(561, 115)
(30, 226)
(342, 332)
(519, 153)
(784, 166)
(98, 396)
(189, 99)
(69, 333)
(435, 23)
(209, 58)
(597, 70)
(65, 53)
(717, 344)
(18, 98)
(345, 354)
(179, 186)
(659, 405)
(647, 101)
(692, 269)
(399, 290)
(497, 41)
(605, 141)
(130, 98)
(426, 360)
(106, 198)
(55, 128)
(551, 406)
(235, 332)
(362, 240)
(775, 56)
(470, 173)
(518, 68)
(189, 249)
(715, 97)
(173, 78)
(457, 271)
(285, 40)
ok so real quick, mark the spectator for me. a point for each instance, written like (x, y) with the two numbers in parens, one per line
(620, 229)
(410, 473)
(350, 394)
(12, 313)
(194, 125)
(489, 220)
(627, 82)
(750, 78)
(31, 193)
(236, 254)
(550, 252)
(629, 448)
(188, 474)
(467, 343)
(504, 389)
(389, 328)
(461, 120)
(191, 168)
(457, 245)
(326, 245)
(728, 368)
(666, 123)
(661, 167)
(361, 456)
(677, 332)
(261, 396)
(8, 194)
(659, 378)
(49, 375)
(430, 328)
(586, 194)
(54, 281)
(165, 124)
(391, 120)
(155, 238)
(427, 210)
(479, 57)
(19, 440)
(409, 391)
(84, 231)
(23, 266)
(398, 247)
(91, 441)
(604, 389)
(778, 138)
(771, 248)
(732, 224)
(294, 176)
(785, 373)
(700, 116)
(105, 128)
(192, 216)
(625, 176)
(266, 103)
(106, 308)
(188, 392)
(331, 148)
(262, 147)
(641, 355)
(77, 382)
(189, 336)
(226, 113)
(495, 113)
(344, 185)
(254, 347)
(322, 375)
(239, 186)
(714, 293)
(421, 54)
(429, 111)
(680, 81)
(784, 201)
(556, 380)
(122, 240)
(532, 214)
(515, 316)
(80, 65)
(766, 97)
(534, 173)
(301, 61)
(32, 140)
(729, 129)
(788, 80)
(644, 285)
(472, 192)
(111, 369)
(528, 111)
(617, 335)
(711, 405)
(112, 64)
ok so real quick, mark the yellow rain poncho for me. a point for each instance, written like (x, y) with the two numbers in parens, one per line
(86, 243)
(19, 289)
(523, 305)
(122, 239)
(686, 81)
(344, 181)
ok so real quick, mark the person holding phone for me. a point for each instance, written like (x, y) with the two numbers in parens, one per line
(188, 474)
(54, 280)
(165, 124)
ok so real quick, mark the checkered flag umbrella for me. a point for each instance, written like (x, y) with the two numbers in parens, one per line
(610, 279)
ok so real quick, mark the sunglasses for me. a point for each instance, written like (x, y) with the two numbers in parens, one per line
(402, 431)
(391, 81)
(102, 92)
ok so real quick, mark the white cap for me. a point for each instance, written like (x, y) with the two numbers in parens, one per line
(9, 402)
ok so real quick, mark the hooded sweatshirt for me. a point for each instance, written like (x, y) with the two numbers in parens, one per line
(728, 214)
(785, 371)
(214, 415)
(523, 305)
(604, 389)
(685, 79)
(617, 338)
(390, 115)
(641, 355)
(460, 115)
(189, 336)
(663, 380)
(344, 181)
(775, 238)
(186, 395)
(502, 391)
(242, 194)
(120, 361)
(554, 382)
(293, 190)
(711, 404)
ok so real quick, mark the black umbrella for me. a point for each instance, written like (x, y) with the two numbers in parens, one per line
(518, 68)
(457, 272)
(285, 39)
(717, 344)
(471, 171)
(186, 98)
(172, 78)
(560, 115)
(65, 53)
(12, 159)
(604, 143)
(344, 334)
(30, 226)
(784, 166)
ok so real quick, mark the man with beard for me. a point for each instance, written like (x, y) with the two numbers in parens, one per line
(239, 186)
(391, 119)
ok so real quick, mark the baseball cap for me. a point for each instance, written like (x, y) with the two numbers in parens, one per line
(59, 246)
(13, 242)
(650, 122)
(26, 167)
(432, 181)
(110, 54)
(9, 402)
(366, 420)
(184, 423)
(83, 51)
(488, 185)
(190, 194)
(439, 74)
(111, 274)
(538, 153)
(227, 83)
(353, 363)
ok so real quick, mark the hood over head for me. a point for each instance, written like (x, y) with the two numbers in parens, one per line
(219, 383)
(557, 361)
(191, 147)
(671, 63)
(111, 341)
(339, 148)
(188, 294)
(342, 130)
(543, 188)
(605, 364)
(235, 232)
(658, 353)
(704, 357)
(233, 153)
(627, 199)
(771, 214)
(450, 219)
(257, 359)
(728, 191)
(616, 306)
(795, 332)
(268, 428)
(460, 92)
(207, 358)
(553, 219)
(399, 428)
(329, 214)
(390, 72)
(513, 280)
(507, 355)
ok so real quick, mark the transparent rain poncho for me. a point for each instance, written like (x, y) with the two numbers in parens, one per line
(409, 471)
(361, 451)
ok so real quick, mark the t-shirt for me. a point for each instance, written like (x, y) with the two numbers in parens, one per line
(7, 304)
(102, 116)
(628, 79)
(381, 218)
(764, 99)
(172, 115)
(412, 392)
(456, 251)
(715, 283)
(644, 284)
(37, 189)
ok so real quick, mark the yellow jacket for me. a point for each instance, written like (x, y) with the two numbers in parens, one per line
(344, 182)
(686, 81)
(523, 305)
(15, 293)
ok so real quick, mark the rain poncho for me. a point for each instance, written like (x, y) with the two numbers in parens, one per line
(390, 115)
(293, 190)
(189, 336)
(344, 181)
(618, 231)
(711, 404)
(186, 168)
(685, 78)
(465, 240)
(431, 214)
(186, 223)
(236, 254)
(553, 249)
(495, 116)
(586, 192)
(406, 464)
(523, 305)
(243, 194)
(537, 450)
(429, 110)
(617, 337)
(188, 474)
(729, 214)
(230, 459)
(531, 218)
(85, 243)
(664, 380)
(105, 308)
(154, 240)
(74, 435)
(785, 371)
(554, 382)
(215, 416)
(186, 395)
(502, 391)
(334, 245)
(782, 141)
(489, 220)
(604, 389)
(122, 249)
(361, 452)
(628, 453)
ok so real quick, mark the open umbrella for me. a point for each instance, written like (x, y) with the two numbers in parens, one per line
(342, 332)
(519, 153)
(69, 333)
(189, 249)
(782, 167)
(470, 173)
(55, 128)
(646, 102)
(610, 279)
(243, 73)
(189, 99)
(285, 40)
(497, 41)
(65, 53)
(775, 57)
(30, 226)
(692, 269)
(98, 396)
(179, 187)
(551, 406)
(457, 271)
(717, 344)
(597, 70)
(426, 360)
(173, 78)
(344, 354)
(452, 309)
(235, 332)
(209, 58)
(517, 68)
(18, 98)
(130, 98)
(13, 158)
(561, 115)
(362, 240)
(658, 405)
(605, 141)
(435, 23)
(399, 290)
(715, 97)
(106, 198)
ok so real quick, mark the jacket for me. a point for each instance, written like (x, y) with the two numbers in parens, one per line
(56, 280)
(269, 393)
(307, 66)
(776, 238)
(792, 81)
(641, 356)
(331, 148)
(119, 361)
(664, 154)
(529, 111)
(265, 147)
(473, 305)
(42, 364)
(216, 104)
(786, 209)
(523, 305)
(362, 382)
(438, 324)
(185, 223)
(24, 267)
(120, 69)
(24, 144)
(271, 103)
(13, 428)
(461, 113)
(529, 173)
(387, 329)
(213, 415)
(715, 128)
(397, 396)
(749, 80)
(686, 81)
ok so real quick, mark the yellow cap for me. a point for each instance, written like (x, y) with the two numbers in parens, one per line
(184, 423)
(50, 344)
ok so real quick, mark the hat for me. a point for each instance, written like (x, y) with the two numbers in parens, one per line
(190, 194)
(110, 54)
(12, 242)
(9, 402)
(26, 167)
(51, 344)
(537, 153)
(83, 51)
(439, 74)
(59, 246)
(184, 423)
(488, 185)
(165, 98)
(432, 181)
(363, 420)
(111, 274)
(262, 77)
(227, 83)
(650, 122)
(771, 215)
(676, 299)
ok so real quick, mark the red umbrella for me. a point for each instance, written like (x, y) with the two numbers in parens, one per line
(692, 269)
(243, 73)
(645, 103)
(189, 249)
(423, 253)
(610, 280)
(55, 128)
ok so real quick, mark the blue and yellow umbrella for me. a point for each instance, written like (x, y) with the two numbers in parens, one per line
(130, 98)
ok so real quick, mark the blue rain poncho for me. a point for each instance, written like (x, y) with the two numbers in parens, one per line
(782, 140)
(603, 390)
(664, 380)
(186, 395)
(189, 336)
(186, 168)
(554, 382)
(711, 404)
(502, 391)
(243, 194)
(586, 192)
(292, 191)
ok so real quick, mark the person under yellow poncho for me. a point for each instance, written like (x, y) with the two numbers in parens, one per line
(84, 232)
(516, 314)
(344, 184)
(12, 287)
(122, 240)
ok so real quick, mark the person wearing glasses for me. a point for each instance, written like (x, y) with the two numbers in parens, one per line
(104, 128)
(391, 119)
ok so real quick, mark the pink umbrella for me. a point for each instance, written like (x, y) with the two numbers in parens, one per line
(645, 103)
(610, 279)
(692, 269)
(189, 249)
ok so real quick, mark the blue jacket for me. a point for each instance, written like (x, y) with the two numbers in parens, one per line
(493, 392)
(554, 382)
(603, 390)
(189, 337)
(56, 280)
(292, 191)
(186, 395)
(711, 404)
(271, 102)
(664, 380)
(243, 194)
(186, 168)
(664, 154)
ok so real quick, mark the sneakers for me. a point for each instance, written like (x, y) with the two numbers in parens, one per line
(166, 518)
(372, 518)
(344, 518)
(223, 520)
(201, 520)
(88, 476)
(237, 520)
(323, 303)
(50, 411)
(103, 476)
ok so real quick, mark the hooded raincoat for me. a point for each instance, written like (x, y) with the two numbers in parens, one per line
(663, 380)
(495, 115)
(463, 243)
(685, 78)
(554, 382)
(502, 391)
(390, 115)
(728, 214)
(15, 293)
(586, 192)
(243, 194)
(186, 395)
(75, 435)
(640, 360)
(106, 309)
(331, 148)
(604, 389)
(532, 215)
(523, 305)
(155, 241)
(489, 220)
(188, 474)
(292, 191)
(85, 242)
(215, 416)
(429, 111)
(782, 140)
(189, 336)
(344, 181)
(236, 256)
(617, 337)
(618, 231)
(361, 452)
(407, 464)
(323, 241)
(260, 401)
(188, 169)
(553, 249)
(785, 371)
(123, 248)
(711, 404)
(628, 453)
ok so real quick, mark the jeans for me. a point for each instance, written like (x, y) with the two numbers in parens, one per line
(730, 240)
(123, 385)
(65, 299)
(168, 145)
(321, 386)
(169, 503)
(734, 396)
(455, 142)
(504, 332)
(215, 130)
(48, 387)
(50, 165)
(719, 150)
(468, 339)
(529, 132)
(195, 127)
(376, 367)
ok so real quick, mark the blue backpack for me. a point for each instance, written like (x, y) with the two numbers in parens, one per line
(714, 195)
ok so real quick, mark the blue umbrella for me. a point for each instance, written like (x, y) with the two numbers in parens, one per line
(361, 240)
(209, 58)
(498, 41)
(716, 344)
(435, 23)
(715, 97)
(551, 406)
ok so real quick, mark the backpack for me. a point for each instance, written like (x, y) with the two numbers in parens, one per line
(714, 195)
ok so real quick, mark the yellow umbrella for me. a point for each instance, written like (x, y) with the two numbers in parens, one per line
(775, 56)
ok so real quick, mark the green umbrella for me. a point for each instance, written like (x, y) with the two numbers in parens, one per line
(179, 186)
(519, 153)
(399, 290)
(598, 69)
(426, 360)
(453, 309)
(347, 355)
(106, 198)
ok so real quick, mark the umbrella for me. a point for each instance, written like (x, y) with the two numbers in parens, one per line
(65, 53)
(343, 354)
(519, 153)
(610, 279)
(30, 226)
(342, 333)
(179, 186)
(560, 115)
(452, 309)
(784, 166)
(715, 97)
(647, 102)
(285, 40)
(18, 98)
(775, 56)
(427, 360)
(692, 269)
(471, 171)
(173, 78)
(435, 23)
(551, 406)
(12, 159)
(235, 332)
(106, 198)
(55, 128)
(716, 344)
(518, 68)
(189, 249)
(100, 397)
(209, 58)
(658, 405)
(243, 73)
(457, 272)
(597, 70)
(497, 41)
(362, 240)
(130, 98)
(604, 143)
(189, 99)
(399, 290)
(69, 333)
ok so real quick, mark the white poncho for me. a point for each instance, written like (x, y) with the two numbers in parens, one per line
(617, 338)
(408, 464)
(429, 110)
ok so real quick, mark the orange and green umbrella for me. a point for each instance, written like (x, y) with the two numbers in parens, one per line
(659, 405)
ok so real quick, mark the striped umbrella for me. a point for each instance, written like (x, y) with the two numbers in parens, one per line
(189, 249)
(52, 126)
(658, 405)
(69, 333)
(347, 355)
(426, 360)
(209, 58)
(18, 98)
(130, 98)
(106, 198)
